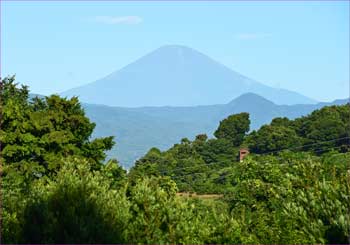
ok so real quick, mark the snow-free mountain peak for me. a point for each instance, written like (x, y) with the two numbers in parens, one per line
(175, 75)
(250, 98)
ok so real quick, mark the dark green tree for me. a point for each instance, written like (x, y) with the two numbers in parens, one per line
(234, 128)
(331, 123)
(271, 138)
(37, 134)
(77, 206)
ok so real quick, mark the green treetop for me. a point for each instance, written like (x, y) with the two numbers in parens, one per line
(234, 128)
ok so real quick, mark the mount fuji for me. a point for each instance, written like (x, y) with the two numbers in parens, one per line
(176, 75)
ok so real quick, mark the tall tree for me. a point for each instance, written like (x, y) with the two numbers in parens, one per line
(234, 128)
(36, 134)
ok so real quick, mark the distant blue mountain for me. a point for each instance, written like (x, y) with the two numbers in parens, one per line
(139, 129)
(177, 76)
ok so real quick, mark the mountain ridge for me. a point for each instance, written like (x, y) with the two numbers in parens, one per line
(139, 129)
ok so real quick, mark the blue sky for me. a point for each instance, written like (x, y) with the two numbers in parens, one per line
(301, 46)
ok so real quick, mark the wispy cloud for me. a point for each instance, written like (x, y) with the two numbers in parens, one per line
(252, 36)
(116, 20)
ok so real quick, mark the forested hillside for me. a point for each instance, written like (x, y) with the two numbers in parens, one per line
(162, 126)
(205, 165)
(293, 187)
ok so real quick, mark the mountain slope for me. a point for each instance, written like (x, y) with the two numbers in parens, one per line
(139, 129)
(176, 76)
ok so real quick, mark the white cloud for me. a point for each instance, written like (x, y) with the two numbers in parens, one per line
(115, 20)
(252, 36)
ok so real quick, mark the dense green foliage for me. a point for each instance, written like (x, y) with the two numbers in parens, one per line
(234, 128)
(295, 198)
(322, 130)
(197, 165)
(56, 189)
(36, 135)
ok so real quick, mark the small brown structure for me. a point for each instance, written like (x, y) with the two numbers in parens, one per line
(243, 152)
